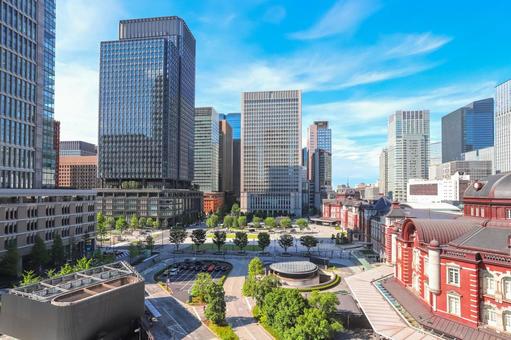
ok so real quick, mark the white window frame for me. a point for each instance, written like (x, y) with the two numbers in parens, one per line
(457, 272)
(506, 288)
(489, 285)
(508, 214)
(491, 321)
(454, 309)
(506, 320)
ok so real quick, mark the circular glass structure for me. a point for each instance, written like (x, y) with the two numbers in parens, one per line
(295, 269)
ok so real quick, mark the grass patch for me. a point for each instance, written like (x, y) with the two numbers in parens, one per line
(223, 332)
(337, 228)
(233, 235)
(329, 285)
(229, 247)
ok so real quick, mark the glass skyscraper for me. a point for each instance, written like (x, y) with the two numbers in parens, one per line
(146, 104)
(466, 129)
(207, 144)
(27, 81)
(503, 127)
(319, 162)
(234, 120)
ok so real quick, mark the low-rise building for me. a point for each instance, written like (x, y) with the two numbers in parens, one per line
(438, 190)
(213, 201)
(475, 169)
(78, 172)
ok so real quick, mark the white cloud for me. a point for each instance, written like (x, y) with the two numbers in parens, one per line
(414, 44)
(344, 16)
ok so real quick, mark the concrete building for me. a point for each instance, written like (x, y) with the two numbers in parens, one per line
(486, 154)
(234, 120)
(503, 127)
(207, 145)
(77, 148)
(271, 146)
(56, 146)
(319, 162)
(98, 303)
(475, 169)
(225, 166)
(438, 190)
(27, 94)
(383, 180)
(435, 158)
(467, 128)
(25, 213)
(78, 172)
(213, 201)
(408, 149)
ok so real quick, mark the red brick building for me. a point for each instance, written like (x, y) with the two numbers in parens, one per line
(213, 201)
(461, 268)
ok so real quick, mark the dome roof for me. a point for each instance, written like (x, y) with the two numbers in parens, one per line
(495, 186)
(442, 231)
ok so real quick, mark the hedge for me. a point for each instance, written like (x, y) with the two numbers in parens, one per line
(328, 285)
(223, 332)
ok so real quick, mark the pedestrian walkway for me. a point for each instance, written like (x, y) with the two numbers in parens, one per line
(382, 317)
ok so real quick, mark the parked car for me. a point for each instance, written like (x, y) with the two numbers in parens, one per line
(173, 272)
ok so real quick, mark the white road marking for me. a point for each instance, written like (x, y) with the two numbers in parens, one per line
(196, 313)
(248, 304)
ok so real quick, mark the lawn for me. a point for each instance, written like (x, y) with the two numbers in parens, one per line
(233, 235)
(228, 247)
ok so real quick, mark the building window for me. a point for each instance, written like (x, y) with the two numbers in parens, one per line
(453, 276)
(453, 304)
(491, 317)
(507, 321)
(507, 288)
(489, 284)
(508, 214)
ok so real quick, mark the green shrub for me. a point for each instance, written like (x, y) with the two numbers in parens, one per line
(223, 332)
(329, 285)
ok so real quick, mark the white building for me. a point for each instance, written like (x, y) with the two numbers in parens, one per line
(271, 144)
(503, 127)
(437, 190)
(476, 169)
(486, 154)
(206, 149)
(408, 149)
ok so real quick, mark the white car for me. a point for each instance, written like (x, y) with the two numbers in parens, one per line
(173, 272)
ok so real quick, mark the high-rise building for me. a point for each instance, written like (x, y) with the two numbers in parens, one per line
(503, 127)
(271, 152)
(27, 73)
(476, 169)
(435, 157)
(468, 128)
(146, 115)
(207, 144)
(77, 148)
(225, 165)
(56, 147)
(78, 172)
(408, 149)
(234, 120)
(319, 168)
(383, 181)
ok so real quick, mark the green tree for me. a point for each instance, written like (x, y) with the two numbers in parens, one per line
(302, 223)
(215, 299)
(312, 324)
(256, 221)
(142, 222)
(101, 231)
(309, 242)
(66, 269)
(10, 261)
(235, 224)
(241, 240)
(228, 221)
(286, 241)
(212, 221)
(39, 256)
(177, 235)
(52, 273)
(270, 222)
(263, 240)
(149, 222)
(255, 267)
(110, 223)
(219, 238)
(242, 221)
(58, 255)
(201, 286)
(100, 218)
(264, 286)
(149, 241)
(325, 302)
(120, 224)
(134, 223)
(133, 251)
(282, 307)
(29, 278)
(285, 222)
(156, 224)
(82, 264)
(198, 237)
(235, 209)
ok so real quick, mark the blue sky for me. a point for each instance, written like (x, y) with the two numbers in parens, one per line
(356, 61)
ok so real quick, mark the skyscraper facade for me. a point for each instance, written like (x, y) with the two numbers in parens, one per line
(225, 165)
(319, 150)
(383, 181)
(77, 148)
(503, 127)
(27, 81)
(207, 144)
(408, 149)
(234, 120)
(466, 129)
(271, 152)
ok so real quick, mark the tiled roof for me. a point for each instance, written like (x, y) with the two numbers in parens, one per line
(495, 186)
(485, 238)
(443, 231)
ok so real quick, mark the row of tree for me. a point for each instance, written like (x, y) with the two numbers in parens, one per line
(286, 311)
(240, 222)
(120, 224)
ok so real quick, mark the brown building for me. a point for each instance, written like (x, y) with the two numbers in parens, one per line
(225, 157)
(213, 201)
(56, 146)
(78, 172)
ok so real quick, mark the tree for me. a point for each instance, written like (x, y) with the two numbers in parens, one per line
(29, 278)
(58, 255)
(120, 224)
(264, 286)
(82, 264)
(263, 240)
(134, 223)
(282, 307)
(39, 255)
(242, 221)
(241, 240)
(312, 324)
(10, 261)
(142, 222)
(100, 218)
(302, 223)
(235, 224)
(309, 242)
(219, 238)
(149, 222)
(66, 269)
(201, 286)
(110, 223)
(255, 267)
(212, 221)
(156, 224)
(177, 235)
(133, 251)
(101, 231)
(149, 242)
(228, 219)
(235, 209)
(215, 299)
(325, 302)
(270, 222)
(198, 237)
(256, 221)
(286, 241)
(285, 222)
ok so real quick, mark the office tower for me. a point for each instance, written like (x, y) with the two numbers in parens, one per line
(383, 181)
(435, 158)
(503, 127)
(234, 120)
(466, 129)
(56, 147)
(27, 73)
(77, 148)
(78, 172)
(486, 154)
(476, 169)
(271, 152)
(408, 149)
(146, 117)
(206, 149)
(319, 169)
(225, 165)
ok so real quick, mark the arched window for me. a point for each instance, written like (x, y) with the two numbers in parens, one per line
(506, 285)
(507, 321)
